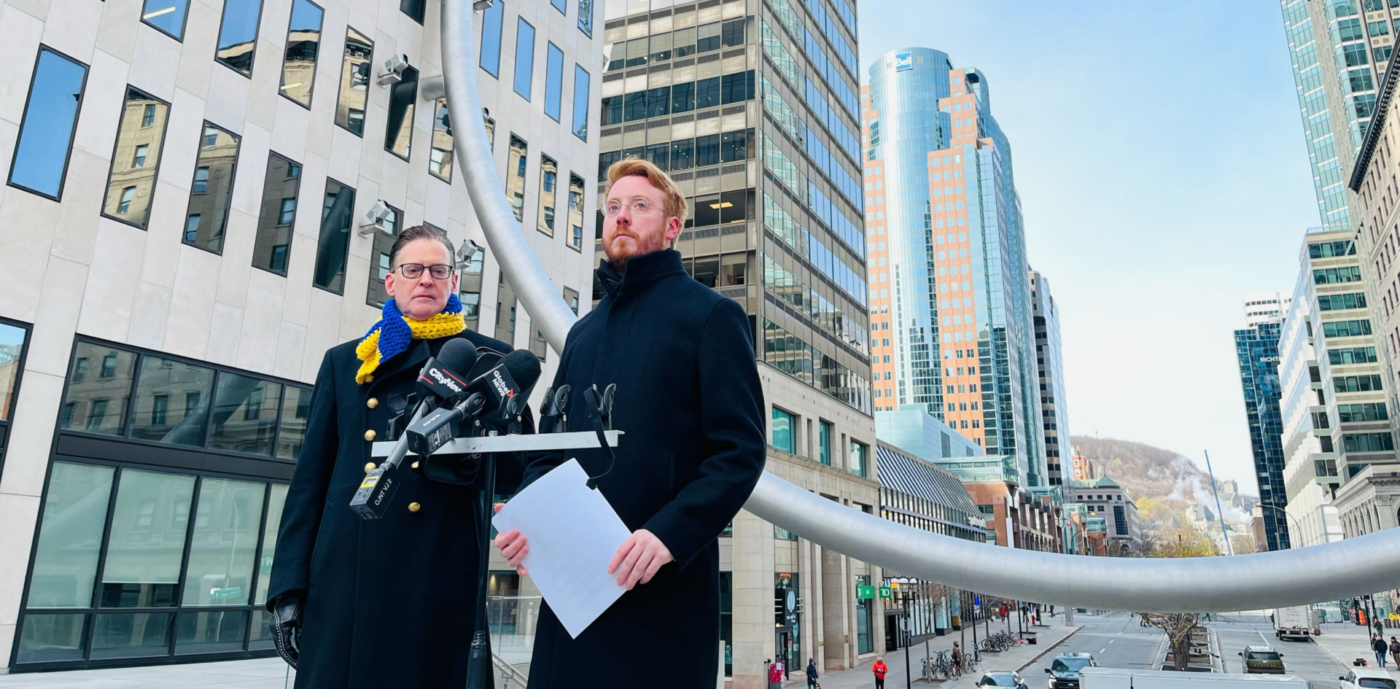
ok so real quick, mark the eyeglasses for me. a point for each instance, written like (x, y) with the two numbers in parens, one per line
(413, 271)
(637, 206)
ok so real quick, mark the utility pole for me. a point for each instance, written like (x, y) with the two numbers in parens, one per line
(1219, 515)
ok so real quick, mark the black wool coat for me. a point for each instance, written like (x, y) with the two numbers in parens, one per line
(689, 403)
(389, 602)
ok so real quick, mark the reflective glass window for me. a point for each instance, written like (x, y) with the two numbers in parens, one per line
(575, 240)
(549, 181)
(140, 136)
(296, 408)
(238, 35)
(658, 101)
(333, 248)
(491, 38)
(682, 97)
(354, 82)
(51, 638)
(398, 135)
(585, 17)
(440, 162)
(212, 190)
(412, 8)
(303, 40)
(167, 16)
(70, 536)
(383, 243)
(147, 541)
(172, 402)
(211, 631)
(11, 348)
(553, 80)
(99, 383)
(515, 175)
(524, 57)
(228, 516)
(707, 93)
(46, 132)
(581, 86)
(245, 414)
(131, 635)
(784, 431)
(281, 184)
(707, 150)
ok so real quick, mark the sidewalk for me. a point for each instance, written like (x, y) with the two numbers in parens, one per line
(1021, 656)
(1346, 642)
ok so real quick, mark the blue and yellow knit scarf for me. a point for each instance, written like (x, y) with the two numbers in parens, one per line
(394, 331)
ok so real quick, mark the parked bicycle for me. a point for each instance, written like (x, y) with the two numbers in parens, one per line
(941, 668)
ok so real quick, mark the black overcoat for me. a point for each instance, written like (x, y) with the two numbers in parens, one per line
(389, 602)
(689, 403)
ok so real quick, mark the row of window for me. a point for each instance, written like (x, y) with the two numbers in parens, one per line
(1356, 384)
(1331, 276)
(1337, 302)
(783, 436)
(1371, 411)
(516, 163)
(684, 154)
(122, 393)
(685, 42)
(1368, 442)
(810, 303)
(809, 246)
(678, 98)
(1351, 355)
(523, 80)
(800, 359)
(1351, 328)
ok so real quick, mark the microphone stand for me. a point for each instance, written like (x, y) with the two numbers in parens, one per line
(479, 674)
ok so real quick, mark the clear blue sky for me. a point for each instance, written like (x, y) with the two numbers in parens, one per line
(1160, 160)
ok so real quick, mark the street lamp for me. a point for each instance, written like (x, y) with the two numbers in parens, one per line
(1286, 514)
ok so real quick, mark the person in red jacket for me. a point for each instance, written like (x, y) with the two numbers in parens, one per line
(879, 668)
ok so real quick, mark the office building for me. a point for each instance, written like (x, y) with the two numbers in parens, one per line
(949, 280)
(1103, 497)
(1054, 413)
(191, 189)
(1257, 354)
(752, 108)
(1261, 308)
(914, 430)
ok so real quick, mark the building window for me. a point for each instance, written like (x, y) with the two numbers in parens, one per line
(515, 175)
(383, 243)
(167, 16)
(581, 85)
(571, 298)
(491, 38)
(524, 57)
(549, 180)
(354, 82)
(398, 135)
(575, 239)
(212, 189)
(440, 162)
(333, 248)
(824, 442)
(469, 289)
(127, 195)
(505, 311)
(238, 35)
(412, 8)
(858, 455)
(303, 40)
(50, 117)
(784, 431)
(554, 81)
(277, 213)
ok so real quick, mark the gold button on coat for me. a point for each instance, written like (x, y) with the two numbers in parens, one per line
(372, 403)
(369, 379)
(414, 507)
(369, 435)
(369, 466)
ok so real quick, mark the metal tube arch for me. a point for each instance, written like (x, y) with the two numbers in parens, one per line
(1243, 582)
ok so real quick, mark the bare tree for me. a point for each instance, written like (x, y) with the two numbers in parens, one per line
(1178, 628)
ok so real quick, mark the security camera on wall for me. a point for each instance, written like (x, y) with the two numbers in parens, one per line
(374, 219)
(483, 5)
(393, 70)
(466, 252)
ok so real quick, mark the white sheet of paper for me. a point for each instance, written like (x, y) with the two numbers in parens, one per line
(572, 533)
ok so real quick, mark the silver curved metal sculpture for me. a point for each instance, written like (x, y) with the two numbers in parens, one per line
(1245, 582)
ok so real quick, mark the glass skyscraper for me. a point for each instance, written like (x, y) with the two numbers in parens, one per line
(1256, 348)
(950, 284)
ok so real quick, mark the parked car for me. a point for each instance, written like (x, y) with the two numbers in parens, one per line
(1367, 678)
(1262, 660)
(1064, 671)
(1002, 679)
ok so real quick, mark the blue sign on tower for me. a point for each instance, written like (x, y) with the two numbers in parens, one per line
(903, 61)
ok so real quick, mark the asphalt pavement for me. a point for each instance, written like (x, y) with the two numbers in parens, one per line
(1115, 640)
(1303, 659)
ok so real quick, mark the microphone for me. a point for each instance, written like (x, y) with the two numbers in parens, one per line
(437, 380)
(495, 398)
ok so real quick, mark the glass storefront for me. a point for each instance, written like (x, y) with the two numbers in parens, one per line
(865, 620)
(159, 519)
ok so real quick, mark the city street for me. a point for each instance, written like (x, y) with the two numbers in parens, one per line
(1303, 659)
(1115, 640)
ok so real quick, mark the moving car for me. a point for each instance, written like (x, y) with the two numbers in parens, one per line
(1001, 678)
(1064, 671)
(1367, 678)
(1261, 660)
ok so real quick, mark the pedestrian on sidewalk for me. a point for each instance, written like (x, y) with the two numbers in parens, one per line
(1395, 651)
(958, 657)
(1378, 645)
(879, 668)
(811, 673)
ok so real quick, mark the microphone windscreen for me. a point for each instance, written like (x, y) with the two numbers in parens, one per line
(524, 367)
(457, 355)
(486, 360)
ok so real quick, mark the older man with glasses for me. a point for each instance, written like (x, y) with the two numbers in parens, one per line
(389, 602)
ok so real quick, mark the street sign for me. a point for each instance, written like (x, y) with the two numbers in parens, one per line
(225, 594)
(886, 592)
(864, 592)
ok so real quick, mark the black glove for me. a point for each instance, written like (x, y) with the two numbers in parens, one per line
(286, 626)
